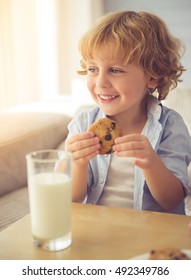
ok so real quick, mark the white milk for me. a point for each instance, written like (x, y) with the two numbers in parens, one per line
(50, 205)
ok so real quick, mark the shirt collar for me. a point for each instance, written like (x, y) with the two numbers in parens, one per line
(154, 108)
(154, 127)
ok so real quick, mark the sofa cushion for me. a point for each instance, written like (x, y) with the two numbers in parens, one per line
(22, 133)
(13, 206)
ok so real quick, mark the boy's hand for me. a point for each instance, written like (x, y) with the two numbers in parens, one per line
(136, 146)
(83, 146)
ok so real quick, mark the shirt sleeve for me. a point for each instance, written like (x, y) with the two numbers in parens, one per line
(175, 147)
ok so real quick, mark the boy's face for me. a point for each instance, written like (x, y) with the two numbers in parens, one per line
(117, 88)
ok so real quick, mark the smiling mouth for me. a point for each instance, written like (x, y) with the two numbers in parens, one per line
(107, 98)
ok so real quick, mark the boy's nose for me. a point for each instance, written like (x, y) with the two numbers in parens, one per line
(102, 81)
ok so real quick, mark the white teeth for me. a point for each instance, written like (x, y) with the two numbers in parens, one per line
(107, 97)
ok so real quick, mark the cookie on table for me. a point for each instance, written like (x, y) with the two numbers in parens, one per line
(168, 254)
(107, 130)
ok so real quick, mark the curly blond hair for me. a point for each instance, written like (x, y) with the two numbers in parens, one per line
(143, 38)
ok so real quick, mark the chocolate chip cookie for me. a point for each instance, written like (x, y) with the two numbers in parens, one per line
(107, 130)
(168, 254)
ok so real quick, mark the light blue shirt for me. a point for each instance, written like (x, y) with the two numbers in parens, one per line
(168, 136)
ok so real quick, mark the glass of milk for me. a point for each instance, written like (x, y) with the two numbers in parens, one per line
(49, 184)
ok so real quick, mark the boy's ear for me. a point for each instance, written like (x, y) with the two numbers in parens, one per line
(152, 83)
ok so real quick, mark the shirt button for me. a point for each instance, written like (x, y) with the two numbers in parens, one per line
(101, 180)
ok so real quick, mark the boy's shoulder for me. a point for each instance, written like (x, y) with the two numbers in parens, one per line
(170, 113)
(84, 111)
(159, 110)
(92, 113)
(86, 116)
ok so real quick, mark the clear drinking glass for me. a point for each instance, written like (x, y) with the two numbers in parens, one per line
(49, 183)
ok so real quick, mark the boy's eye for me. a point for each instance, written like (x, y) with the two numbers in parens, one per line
(116, 71)
(92, 69)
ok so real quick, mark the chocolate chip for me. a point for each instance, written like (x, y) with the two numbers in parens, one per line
(113, 125)
(108, 137)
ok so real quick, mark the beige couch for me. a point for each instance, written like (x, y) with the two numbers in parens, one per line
(20, 134)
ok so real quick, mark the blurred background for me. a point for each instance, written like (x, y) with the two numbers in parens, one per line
(39, 45)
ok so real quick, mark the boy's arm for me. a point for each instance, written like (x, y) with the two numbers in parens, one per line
(164, 186)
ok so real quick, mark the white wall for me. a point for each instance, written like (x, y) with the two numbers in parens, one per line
(27, 50)
(39, 53)
(74, 18)
(177, 15)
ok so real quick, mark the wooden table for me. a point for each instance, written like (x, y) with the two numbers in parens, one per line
(102, 233)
